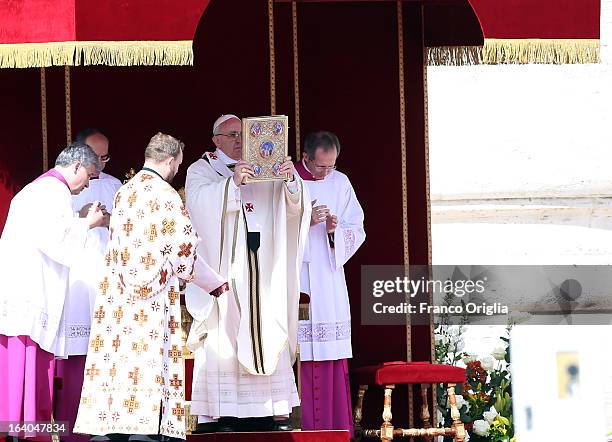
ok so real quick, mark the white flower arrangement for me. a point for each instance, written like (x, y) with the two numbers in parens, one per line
(481, 427)
(490, 415)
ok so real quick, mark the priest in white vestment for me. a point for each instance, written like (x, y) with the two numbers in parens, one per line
(84, 276)
(336, 232)
(245, 341)
(42, 239)
(134, 381)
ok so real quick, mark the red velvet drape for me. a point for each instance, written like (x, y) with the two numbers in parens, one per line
(20, 133)
(42, 21)
(538, 18)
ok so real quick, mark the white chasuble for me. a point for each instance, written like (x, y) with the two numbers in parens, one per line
(134, 380)
(86, 271)
(327, 334)
(245, 341)
(42, 238)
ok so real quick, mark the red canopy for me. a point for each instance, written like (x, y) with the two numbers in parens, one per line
(35, 33)
(543, 31)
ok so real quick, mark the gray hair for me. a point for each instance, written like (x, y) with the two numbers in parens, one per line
(163, 146)
(78, 152)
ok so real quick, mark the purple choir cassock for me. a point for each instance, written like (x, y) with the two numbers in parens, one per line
(26, 383)
(68, 397)
(325, 337)
(40, 232)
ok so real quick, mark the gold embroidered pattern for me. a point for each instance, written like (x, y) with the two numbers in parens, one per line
(135, 375)
(91, 372)
(151, 232)
(173, 295)
(118, 315)
(128, 227)
(132, 199)
(97, 343)
(125, 256)
(131, 404)
(147, 260)
(175, 353)
(104, 286)
(99, 315)
(168, 227)
(178, 411)
(116, 344)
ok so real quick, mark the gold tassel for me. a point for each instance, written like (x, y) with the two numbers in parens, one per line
(517, 51)
(110, 53)
(304, 312)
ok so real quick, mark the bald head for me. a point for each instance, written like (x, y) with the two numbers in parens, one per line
(97, 141)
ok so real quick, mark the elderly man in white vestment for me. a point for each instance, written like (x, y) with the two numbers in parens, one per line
(133, 387)
(84, 275)
(336, 232)
(245, 341)
(42, 239)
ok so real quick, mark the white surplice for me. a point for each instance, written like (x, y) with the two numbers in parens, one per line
(326, 335)
(86, 271)
(42, 238)
(245, 341)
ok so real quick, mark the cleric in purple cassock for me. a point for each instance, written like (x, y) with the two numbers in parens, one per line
(336, 232)
(42, 238)
(84, 278)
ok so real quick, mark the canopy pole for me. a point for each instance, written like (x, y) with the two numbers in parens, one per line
(296, 79)
(68, 105)
(404, 166)
(434, 396)
(272, 57)
(43, 116)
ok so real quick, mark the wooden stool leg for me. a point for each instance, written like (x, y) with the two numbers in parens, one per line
(386, 429)
(425, 417)
(457, 424)
(357, 413)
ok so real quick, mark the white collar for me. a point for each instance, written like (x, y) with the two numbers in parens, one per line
(223, 157)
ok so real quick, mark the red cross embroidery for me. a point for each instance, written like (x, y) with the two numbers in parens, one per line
(249, 207)
(212, 155)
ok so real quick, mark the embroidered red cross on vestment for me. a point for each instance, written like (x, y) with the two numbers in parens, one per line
(249, 207)
(212, 155)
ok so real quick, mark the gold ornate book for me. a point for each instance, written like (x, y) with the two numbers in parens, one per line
(264, 146)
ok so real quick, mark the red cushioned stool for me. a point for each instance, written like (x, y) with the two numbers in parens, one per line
(390, 374)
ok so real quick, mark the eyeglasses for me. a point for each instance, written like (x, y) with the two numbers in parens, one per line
(233, 134)
(104, 158)
(325, 168)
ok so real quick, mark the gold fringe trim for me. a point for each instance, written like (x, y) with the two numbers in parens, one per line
(454, 55)
(84, 53)
(518, 51)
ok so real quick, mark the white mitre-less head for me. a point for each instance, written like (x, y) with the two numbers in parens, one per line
(222, 119)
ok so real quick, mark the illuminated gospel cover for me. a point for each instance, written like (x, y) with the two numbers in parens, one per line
(264, 146)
